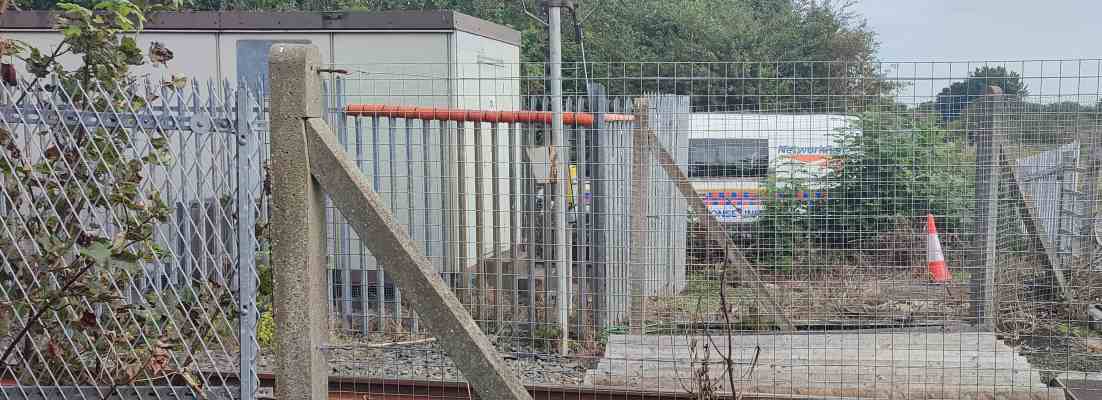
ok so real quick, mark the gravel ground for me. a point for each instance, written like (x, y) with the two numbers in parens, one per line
(426, 361)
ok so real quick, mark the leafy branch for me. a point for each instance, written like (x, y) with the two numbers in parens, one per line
(86, 220)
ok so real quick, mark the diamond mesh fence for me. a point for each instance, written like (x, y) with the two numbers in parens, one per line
(128, 240)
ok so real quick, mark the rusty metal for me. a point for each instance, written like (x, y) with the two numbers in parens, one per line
(360, 388)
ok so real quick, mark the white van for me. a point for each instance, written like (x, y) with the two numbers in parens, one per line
(731, 156)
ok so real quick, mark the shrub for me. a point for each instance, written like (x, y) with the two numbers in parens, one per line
(899, 166)
(896, 167)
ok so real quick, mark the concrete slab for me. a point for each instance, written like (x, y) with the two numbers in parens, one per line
(928, 363)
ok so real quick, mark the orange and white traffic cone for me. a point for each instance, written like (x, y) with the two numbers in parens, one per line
(935, 258)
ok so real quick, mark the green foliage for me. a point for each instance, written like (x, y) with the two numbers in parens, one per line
(953, 100)
(897, 167)
(265, 330)
(716, 35)
(784, 222)
(73, 301)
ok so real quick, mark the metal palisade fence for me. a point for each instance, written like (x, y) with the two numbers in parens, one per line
(129, 240)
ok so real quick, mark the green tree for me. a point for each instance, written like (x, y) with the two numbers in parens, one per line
(952, 100)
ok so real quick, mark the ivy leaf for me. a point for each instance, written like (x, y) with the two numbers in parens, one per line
(98, 251)
(75, 9)
(72, 31)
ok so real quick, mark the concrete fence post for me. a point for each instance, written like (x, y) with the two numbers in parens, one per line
(990, 134)
(639, 223)
(298, 227)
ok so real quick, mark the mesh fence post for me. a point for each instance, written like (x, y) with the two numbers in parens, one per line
(246, 247)
(989, 136)
(298, 227)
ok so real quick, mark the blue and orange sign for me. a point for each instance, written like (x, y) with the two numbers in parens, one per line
(744, 206)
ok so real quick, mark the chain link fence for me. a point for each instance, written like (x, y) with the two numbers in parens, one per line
(129, 245)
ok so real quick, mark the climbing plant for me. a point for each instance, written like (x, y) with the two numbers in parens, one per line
(81, 220)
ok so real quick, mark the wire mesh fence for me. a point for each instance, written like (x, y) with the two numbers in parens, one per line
(763, 227)
(128, 241)
(697, 227)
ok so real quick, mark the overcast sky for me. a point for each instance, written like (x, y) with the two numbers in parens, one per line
(1008, 31)
(977, 30)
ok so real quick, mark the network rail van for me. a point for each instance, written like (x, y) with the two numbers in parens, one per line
(732, 155)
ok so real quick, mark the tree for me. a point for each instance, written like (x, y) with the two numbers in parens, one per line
(952, 100)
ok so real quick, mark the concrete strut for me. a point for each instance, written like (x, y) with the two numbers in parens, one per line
(648, 142)
(440, 310)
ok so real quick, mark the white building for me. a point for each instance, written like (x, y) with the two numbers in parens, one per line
(732, 155)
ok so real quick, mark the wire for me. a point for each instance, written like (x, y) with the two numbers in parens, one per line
(581, 41)
(524, 7)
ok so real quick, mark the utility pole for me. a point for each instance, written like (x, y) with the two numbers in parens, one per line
(563, 254)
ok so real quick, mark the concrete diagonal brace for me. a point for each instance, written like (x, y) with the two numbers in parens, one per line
(440, 311)
(765, 299)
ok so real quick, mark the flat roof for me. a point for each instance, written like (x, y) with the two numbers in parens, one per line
(213, 21)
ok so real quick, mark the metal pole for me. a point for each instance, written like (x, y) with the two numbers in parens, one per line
(246, 247)
(562, 161)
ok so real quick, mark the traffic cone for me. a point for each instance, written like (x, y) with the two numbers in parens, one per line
(934, 256)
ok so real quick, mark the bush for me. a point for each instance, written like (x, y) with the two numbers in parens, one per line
(897, 167)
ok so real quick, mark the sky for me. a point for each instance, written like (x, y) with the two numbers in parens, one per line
(921, 39)
(1016, 29)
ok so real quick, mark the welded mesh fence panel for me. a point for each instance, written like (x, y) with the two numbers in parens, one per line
(128, 243)
(707, 227)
